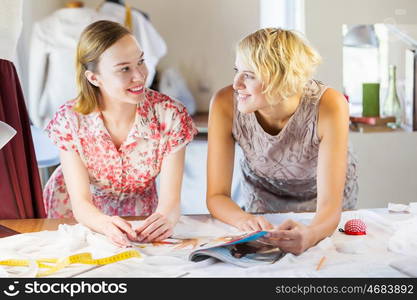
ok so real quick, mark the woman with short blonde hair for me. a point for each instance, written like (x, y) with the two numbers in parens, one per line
(282, 59)
(293, 131)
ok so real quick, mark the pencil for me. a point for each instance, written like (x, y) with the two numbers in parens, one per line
(320, 264)
(164, 243)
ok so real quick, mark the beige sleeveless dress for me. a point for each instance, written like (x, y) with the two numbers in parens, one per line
(279, 172)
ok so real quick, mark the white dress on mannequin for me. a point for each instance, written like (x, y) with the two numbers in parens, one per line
(10, 28)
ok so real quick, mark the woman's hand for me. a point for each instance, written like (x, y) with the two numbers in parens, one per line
(156, 227)
(253, 223)
(292, 237)
(118, 230)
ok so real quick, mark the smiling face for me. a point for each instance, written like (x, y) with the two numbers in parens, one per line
(121, 72)
(248, 88)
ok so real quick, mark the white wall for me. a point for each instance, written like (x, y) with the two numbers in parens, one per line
(387, 167)
(324, 19)
(273, 13)
(288, 14)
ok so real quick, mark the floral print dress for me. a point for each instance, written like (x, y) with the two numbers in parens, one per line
(122, 181)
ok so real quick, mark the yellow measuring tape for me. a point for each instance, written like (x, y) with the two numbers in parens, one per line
(55, 264)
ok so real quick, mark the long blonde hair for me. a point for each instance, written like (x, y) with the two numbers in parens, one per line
(95, 39)
(282, 59)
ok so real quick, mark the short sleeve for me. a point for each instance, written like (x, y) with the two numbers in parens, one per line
(177, 127)
(62, 129)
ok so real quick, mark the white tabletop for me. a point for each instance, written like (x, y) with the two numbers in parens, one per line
(372, 255)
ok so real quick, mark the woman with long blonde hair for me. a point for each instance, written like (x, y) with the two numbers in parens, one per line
(115, 139)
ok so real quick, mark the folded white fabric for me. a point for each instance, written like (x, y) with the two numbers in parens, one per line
(404, 239)
(134, 267)
(3, 272)
(413, 207)
(397, 207)
(407, 265)
(67, 240)
(352, 245)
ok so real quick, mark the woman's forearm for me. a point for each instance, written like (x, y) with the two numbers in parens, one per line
(78, 186)
(170, 185)
(225, 209)
(324, 224)
(170, 209)
(86, 213)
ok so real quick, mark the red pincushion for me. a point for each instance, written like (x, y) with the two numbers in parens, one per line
(355, 227)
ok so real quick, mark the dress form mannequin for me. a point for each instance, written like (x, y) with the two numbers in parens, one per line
(10, 28)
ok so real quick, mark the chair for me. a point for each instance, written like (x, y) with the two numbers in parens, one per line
(47, 154)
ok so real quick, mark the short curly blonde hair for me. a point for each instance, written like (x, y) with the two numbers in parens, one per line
(282, 59)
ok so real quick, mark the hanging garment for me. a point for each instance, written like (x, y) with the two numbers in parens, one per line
(149, 39)
(20, 185)
(173, 84)
(10, 27)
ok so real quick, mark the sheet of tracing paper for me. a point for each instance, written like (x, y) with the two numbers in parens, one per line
(388, 250)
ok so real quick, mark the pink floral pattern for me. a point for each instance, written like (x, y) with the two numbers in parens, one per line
(122, 181)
